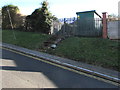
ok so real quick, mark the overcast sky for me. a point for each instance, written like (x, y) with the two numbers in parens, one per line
(65, 8)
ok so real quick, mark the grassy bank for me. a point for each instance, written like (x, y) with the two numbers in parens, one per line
(24, 39)
(96, 51)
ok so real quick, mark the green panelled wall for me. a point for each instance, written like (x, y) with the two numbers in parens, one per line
(84, 15)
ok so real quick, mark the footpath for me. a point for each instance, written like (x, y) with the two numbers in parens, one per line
(83, 67)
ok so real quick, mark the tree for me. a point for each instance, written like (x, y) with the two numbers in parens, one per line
(113, 17)
(40, 20)
(11, 12)
(0, 19)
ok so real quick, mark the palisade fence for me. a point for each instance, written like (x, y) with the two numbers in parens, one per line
(78, 27)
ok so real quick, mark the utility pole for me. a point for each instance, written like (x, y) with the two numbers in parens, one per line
(11, 23)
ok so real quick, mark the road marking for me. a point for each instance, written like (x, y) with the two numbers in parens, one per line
(63, 67)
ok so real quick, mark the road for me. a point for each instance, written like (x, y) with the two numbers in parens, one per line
(20, 71)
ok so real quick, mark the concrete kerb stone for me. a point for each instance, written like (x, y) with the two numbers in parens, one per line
(50, 59)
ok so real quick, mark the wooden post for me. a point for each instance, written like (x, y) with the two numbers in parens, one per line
(104, 25)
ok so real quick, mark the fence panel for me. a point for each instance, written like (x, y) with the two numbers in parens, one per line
(114, 29)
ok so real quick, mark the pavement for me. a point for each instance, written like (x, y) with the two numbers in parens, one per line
(83, 67)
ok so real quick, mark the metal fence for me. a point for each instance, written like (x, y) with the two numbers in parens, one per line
(89, 27)
(79, 27)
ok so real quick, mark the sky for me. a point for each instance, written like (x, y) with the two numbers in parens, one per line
(65, 8)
